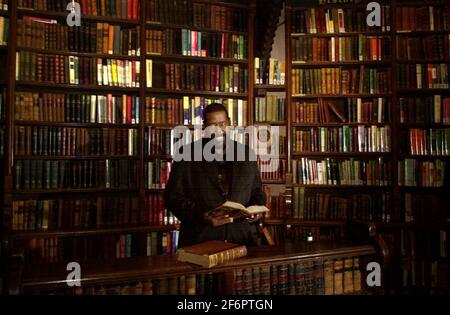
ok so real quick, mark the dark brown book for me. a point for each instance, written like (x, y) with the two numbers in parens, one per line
(211, 253)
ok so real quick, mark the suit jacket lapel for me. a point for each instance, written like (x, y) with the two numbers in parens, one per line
(211, 174)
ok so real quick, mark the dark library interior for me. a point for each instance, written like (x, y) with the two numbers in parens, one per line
(354, 94)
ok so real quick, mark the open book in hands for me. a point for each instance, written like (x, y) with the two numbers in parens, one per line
(231, 212)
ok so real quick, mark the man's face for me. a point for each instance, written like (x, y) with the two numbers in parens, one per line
(216, 124)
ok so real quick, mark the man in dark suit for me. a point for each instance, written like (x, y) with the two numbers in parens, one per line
(195, 187)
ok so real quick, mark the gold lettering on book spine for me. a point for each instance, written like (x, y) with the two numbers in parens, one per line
(227, 255)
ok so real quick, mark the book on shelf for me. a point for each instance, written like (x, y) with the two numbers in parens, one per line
(350, 110)
(58, 214)
(76, 70)
(429, 141)
(120, 9)
(198, 77)
(76, 108)
(185, 42)
(423, 208)
(434, 47)
(272, 168)
(74, 174)
(4, 5)
(200, 15)
(271, 72)
(4, 31)
(341, 81)
(415, 173)
(63, 141)
(337, 20)
(211, 253)
(313, 206)
(342, 49)
(341, 139)
(422, 76)
(188, 110)
(425, 109)
(100, 38)
(231, 211)
(422, 18)
(271, 108)
(103, 247)
(157, 173)
(331, 171)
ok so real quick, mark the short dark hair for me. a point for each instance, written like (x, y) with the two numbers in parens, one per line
(213, 108)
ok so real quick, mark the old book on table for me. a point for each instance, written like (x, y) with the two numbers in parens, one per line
(211, 253)
(231, 212)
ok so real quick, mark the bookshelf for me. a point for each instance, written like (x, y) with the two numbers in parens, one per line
(410, 112)
(4, 41)
(354, 92)
(265, 270)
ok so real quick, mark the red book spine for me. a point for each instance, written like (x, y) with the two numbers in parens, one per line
(128, 109)
(129, 9)
(160, 209)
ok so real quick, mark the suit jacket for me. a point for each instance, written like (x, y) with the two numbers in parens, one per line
(193, 188)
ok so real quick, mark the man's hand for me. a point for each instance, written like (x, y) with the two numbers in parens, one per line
(254, 218)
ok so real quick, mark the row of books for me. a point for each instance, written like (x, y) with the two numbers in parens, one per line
(422, 76)
(332, 171)
(293, 233)
(54, 250)
(337, 81)
(276, 204)
(429, 275)
(101, 38)
(428, 244)
(61, 141)
(272, 169)
(186, 42)
(197, 14)
(428, 109)
(426, 18)
(342, 139)
(2, 141)
(76, 108)
(197, 77)
(326, 206)
(424, 208)
(158, 141)
(121, 9)
(77, 70)
(416, 173)
(190, 284)
(337, 20)
(270, 108)
(351, 110)
(57, 214)
(155, 212)
(273, 73)
(4, 5)
(3, 104)
(429, 141)
(189, 110)
(310, 277)
(331, 49)
(74, 174)
(157, 173)
(4, 31)
(423, 47)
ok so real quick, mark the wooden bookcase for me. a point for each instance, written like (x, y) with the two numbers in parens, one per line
(402, 235)
(16, 240)
(289, 269)
(4, 14)
(396, 230)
